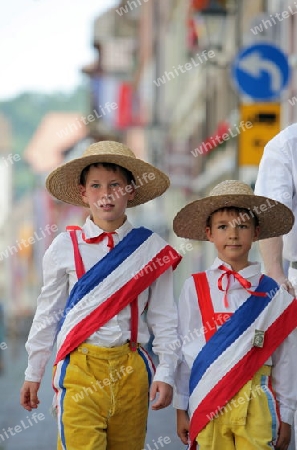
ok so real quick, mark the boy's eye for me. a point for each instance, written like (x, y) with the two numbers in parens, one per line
(222, 227)
(95, 185)
(113, 185)
(242, 226)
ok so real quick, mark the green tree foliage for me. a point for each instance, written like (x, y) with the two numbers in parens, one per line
(25, 113)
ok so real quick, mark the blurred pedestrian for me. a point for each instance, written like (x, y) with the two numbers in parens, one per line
(236, 384)
(103, 277)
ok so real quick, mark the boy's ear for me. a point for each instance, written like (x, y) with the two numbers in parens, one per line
(82, 190)
(208, 234)
(256, 233)
(131, 194)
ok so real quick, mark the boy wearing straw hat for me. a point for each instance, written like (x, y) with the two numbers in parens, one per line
(235, 387)
(98, 282)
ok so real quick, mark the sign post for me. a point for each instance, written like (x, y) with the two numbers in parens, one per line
(260, 73)
(265, 119)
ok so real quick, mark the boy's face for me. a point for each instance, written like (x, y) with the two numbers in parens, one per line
(232, 237)
(107, 193)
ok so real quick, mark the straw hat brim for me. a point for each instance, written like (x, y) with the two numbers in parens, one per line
(150, 182)
(275, 219)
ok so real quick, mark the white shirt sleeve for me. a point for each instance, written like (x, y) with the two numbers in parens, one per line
(191, 338)
(162, 320)
(275, 177)
(50, 307)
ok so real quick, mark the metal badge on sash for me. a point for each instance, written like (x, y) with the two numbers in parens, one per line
(258, 340)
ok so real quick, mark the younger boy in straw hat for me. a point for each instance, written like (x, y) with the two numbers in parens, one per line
(98, 281)
(236, 383)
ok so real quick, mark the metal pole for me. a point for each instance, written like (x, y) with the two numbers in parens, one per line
(156, 120)
(238, 40)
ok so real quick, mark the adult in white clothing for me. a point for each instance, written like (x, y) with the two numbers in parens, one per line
(277, 179)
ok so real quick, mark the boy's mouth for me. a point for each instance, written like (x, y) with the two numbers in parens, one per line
(106, 206)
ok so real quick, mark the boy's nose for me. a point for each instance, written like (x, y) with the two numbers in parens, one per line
(233, 233)
(106, 191)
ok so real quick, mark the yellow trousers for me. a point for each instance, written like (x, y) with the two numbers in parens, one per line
(248, 422)
(102, 396)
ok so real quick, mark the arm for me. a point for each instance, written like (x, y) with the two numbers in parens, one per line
(183, 425)
(284, 436)
(162, 319)
(50, 306)
(271, 251)
(191, 339)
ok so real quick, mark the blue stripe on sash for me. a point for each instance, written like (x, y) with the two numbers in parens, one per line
(61, 386)
(243, 317)
(105, 266)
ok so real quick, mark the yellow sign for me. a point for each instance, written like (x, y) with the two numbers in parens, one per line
(262, 123)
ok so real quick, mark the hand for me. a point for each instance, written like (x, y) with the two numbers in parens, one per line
(284, 436)
(283, 282)
(29, 399)
(165, 394)
(287, 285)
(183, 424)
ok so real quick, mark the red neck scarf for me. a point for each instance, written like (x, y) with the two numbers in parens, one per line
(244, 283)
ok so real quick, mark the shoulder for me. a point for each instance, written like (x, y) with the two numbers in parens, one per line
(188, 288)
(269, 283)
(146, 233)
(60, 245)
(266, 278)
(282, 143)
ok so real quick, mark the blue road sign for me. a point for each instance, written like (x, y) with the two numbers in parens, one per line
(261, 72)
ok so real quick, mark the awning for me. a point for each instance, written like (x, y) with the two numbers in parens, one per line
(56, 133)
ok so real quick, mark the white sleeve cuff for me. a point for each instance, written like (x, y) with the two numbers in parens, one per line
(164, 374)
(180, 401)
(287, 415)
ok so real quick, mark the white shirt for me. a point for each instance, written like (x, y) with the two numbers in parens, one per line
(192, 337)
(277, 179)
(60, 277)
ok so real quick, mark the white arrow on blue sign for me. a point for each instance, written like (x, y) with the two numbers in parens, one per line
(261, 71)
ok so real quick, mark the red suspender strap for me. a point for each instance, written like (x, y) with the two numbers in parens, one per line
(134, 324)
(79, 265)
(205, 304)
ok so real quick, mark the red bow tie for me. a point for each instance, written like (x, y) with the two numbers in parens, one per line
(95, 240)
(244, 283)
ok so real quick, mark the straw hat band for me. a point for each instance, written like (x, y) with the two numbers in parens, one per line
(150, 182)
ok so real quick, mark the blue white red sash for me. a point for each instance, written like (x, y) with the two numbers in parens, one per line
(111, 284)
(229, 359)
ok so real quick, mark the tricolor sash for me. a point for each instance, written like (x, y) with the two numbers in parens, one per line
(111, 284)
(229, 360)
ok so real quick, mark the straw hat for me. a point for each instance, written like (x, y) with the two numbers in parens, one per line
(150, 182)
(275, 219)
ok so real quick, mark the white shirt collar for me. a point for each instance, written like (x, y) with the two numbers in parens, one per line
(253, 269)
(92, 230)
